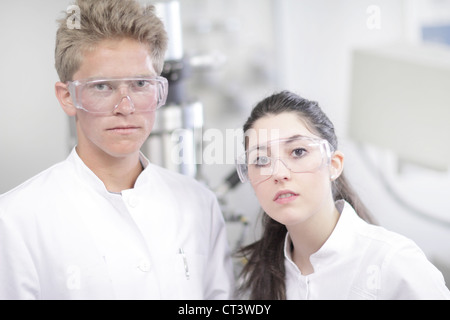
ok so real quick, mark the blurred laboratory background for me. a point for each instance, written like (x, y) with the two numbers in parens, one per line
(380, 69)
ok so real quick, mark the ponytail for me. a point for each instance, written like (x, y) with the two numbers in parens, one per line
(342, 190)
(264, 272)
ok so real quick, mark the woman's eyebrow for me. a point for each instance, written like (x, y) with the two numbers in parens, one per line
(294, 137)
(266, 145)
(287, 140)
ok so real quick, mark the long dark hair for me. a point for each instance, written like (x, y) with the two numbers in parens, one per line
(264, 273)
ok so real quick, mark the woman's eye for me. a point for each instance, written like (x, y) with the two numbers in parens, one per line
(298, 153)
(262, 161)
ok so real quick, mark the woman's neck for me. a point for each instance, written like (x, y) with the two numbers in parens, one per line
(309, 236)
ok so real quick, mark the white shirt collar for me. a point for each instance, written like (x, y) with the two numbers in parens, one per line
(88, 176)
(339, 242)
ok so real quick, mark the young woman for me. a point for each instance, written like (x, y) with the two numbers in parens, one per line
(318, 241)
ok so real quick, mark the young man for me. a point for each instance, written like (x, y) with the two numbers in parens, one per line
(106, 223)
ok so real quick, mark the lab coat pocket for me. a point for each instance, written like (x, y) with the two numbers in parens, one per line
(188, 270)
(357, 293)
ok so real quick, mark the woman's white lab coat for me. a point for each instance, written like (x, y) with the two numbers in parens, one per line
(64, 236)
(363, 261)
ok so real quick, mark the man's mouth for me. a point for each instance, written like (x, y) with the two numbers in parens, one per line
(124, 129)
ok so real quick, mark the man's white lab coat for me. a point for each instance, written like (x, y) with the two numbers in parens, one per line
(64, 236)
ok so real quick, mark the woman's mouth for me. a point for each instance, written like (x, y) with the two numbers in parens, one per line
(285, 197)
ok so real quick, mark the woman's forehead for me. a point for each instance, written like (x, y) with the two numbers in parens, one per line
(276, 127)
(295, 141)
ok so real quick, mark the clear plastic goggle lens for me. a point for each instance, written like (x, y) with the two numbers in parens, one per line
(299, 155)
(102, 96)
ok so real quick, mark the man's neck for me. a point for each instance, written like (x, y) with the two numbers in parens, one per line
(116, 173)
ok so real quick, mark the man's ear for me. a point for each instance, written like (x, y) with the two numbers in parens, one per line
(336, 165)
(64, 98)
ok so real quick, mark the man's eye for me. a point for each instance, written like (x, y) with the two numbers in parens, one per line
(141, 83)
(102, 87)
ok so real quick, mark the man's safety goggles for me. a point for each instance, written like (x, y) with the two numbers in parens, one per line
(103, 96)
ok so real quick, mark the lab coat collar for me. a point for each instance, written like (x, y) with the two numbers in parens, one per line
(338, 244)
(87, 175)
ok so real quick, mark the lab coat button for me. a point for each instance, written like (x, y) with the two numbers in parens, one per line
(133, 201)
(144, 266)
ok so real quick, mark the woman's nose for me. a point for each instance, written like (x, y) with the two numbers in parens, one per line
(280, 171)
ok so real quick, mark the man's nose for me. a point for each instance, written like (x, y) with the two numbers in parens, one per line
(125, 106)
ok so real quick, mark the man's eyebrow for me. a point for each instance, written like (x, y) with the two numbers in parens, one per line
(136, 76)
(146, 75)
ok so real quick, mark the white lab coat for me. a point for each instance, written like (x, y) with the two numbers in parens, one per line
(64, 236)
(363, 261)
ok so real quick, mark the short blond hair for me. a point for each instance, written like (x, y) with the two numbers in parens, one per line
(100, 20)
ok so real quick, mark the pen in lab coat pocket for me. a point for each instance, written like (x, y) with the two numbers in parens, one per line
(186, 267)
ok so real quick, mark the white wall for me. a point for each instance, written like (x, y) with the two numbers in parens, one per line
(33, 128)
(318, 39)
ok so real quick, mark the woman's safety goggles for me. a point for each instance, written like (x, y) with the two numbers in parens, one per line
(299, 155)
(103, 96)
